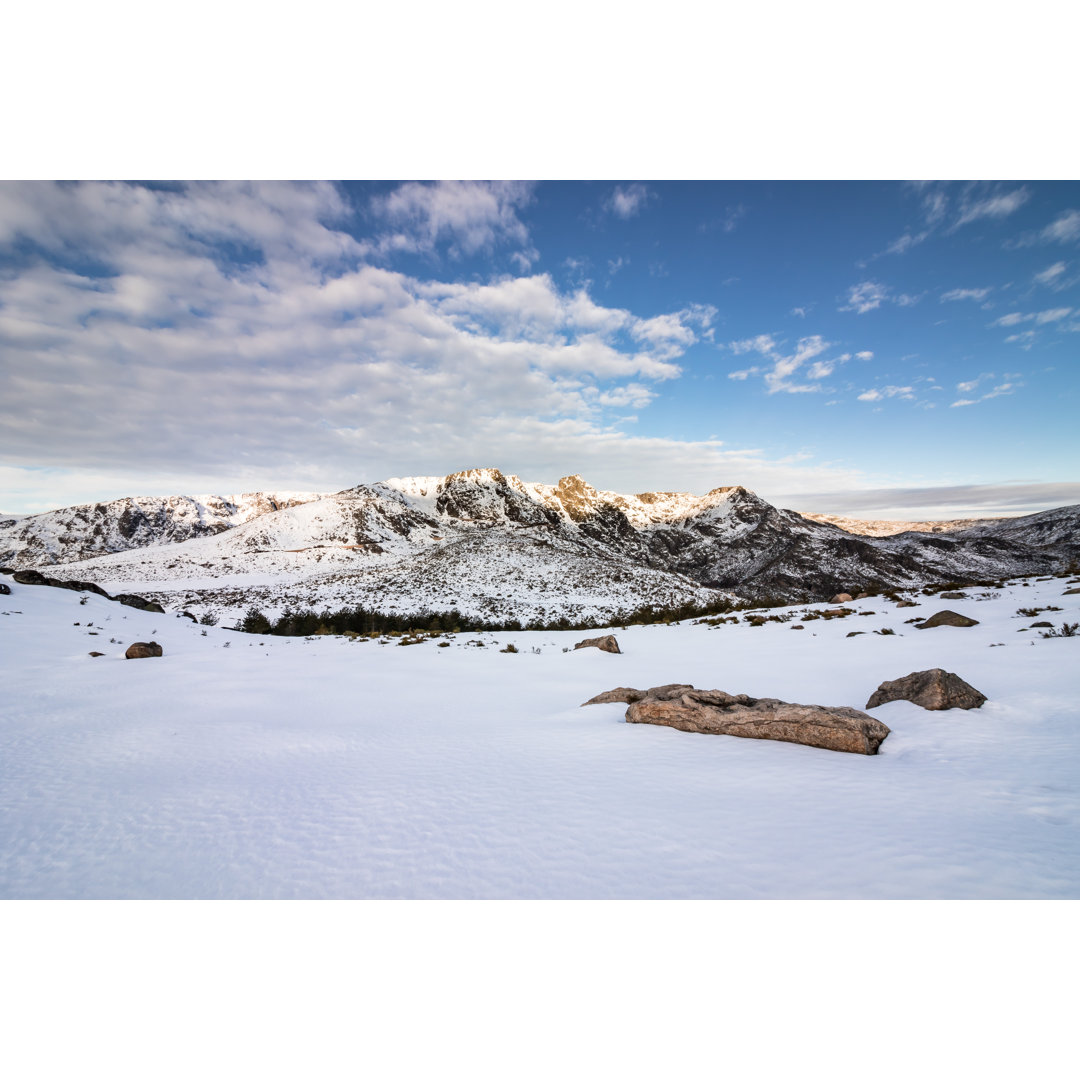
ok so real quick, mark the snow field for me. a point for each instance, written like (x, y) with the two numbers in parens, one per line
(240, 766)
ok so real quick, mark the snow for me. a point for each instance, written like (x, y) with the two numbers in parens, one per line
(244, 767)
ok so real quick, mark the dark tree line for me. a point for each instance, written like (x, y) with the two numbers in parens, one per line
(362, 620)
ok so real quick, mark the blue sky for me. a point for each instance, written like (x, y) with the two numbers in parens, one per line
(878, 349)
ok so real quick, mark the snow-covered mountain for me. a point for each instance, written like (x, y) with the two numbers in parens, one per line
(81, 532)
(494, 546)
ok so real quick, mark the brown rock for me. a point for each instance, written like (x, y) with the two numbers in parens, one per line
(953, 595)
(906, 603)
(140, 650)
(607, 643)
(625, 694)
(97, 654)
(841, 598)
(667, 692)
(946, 618)
(1070, 592)
(933, 689)
(716, 712)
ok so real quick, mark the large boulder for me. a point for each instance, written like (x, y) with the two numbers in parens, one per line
(607, 643)
(140, 650)
(716, 712)
(946, 618)
(932, 689)
(841, 598)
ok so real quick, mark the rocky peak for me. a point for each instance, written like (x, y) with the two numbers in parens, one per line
(475, 476)
(577, 497)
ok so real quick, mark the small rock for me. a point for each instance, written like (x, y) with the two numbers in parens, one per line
(798, 626)
(953, 595)
(855, 633)
(97, 654)
(1070, 592)
(933, 689)
(862, 596)
(607, 643)
(5, 589)
(841, 598)
(946, 618)
(1034, 625)
(140, 650)
(906, 603)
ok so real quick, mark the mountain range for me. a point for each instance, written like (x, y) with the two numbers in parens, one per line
(493, 546)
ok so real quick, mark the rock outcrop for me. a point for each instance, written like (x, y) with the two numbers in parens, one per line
(946, 618)
(607, 643)
(140, 650)
(933, 689)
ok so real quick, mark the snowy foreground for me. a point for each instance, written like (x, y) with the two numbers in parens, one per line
(239, 766)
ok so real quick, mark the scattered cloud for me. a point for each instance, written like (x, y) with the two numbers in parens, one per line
(966, 294)
(1051, 275)
(994, 206)
(870, 295)
(1063, 228)
(865, 297)
(904, 393)
(969, 387)
(627, 202)
(779, 376)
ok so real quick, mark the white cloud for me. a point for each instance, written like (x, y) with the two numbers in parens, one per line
(1025, 339)
(865, 297)
(864, 355)
(628, 202)
(1051, 274)
(779, 377)
(966, 294)
(799, 311)
(1053, 315)
(961, 402)
(995, 206)
(1011, 319)
(1063, 228)
(904, 393)
(468, 216)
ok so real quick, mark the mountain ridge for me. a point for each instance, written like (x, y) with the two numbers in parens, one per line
(488, 542)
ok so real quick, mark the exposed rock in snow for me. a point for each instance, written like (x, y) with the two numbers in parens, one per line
(933, 689)
(716, 712)
(607, 643)
(626, 695)
(141, 650)
(946, 618)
